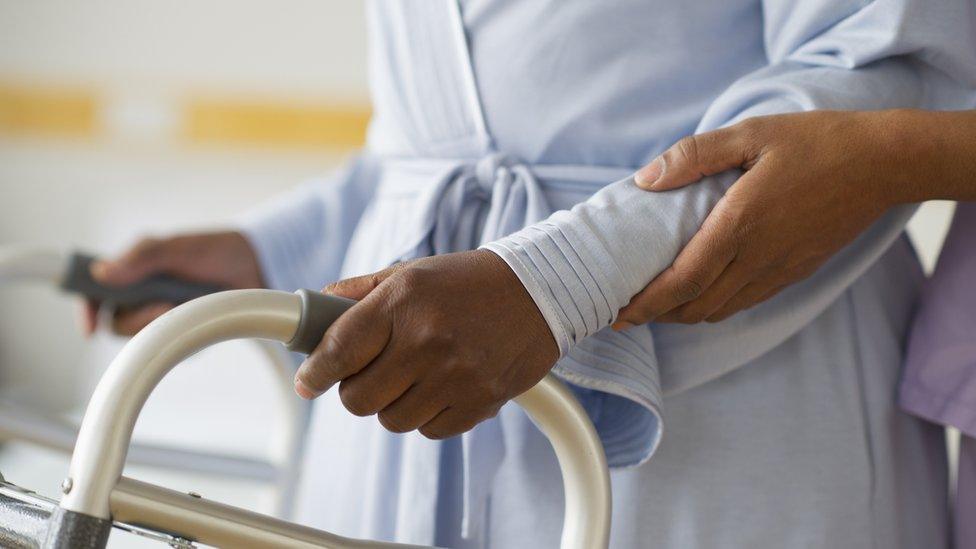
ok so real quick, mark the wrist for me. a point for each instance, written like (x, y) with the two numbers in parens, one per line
(909, 155)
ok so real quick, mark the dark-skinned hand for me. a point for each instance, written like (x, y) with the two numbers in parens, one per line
(437, 344)
(225, 259)
(812, 183)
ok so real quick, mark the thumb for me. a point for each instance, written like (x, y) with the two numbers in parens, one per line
(360, 286)
(694, 157)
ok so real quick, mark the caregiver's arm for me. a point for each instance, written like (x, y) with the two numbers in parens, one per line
(813, 182)
(582, 266)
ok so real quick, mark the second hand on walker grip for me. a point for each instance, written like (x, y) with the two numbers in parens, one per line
(156, 288)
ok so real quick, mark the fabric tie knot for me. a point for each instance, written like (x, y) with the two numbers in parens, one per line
(478, 202)
(494, 170)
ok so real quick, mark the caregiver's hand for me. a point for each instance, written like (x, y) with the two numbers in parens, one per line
(812, 183)
(222, 258)
(436, 344)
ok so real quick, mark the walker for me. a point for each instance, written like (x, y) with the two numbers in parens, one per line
(97, 496)
(69, 272)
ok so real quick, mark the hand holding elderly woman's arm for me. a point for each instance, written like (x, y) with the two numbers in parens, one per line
(812, 183)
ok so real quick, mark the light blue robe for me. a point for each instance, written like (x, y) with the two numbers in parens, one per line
(491, 115)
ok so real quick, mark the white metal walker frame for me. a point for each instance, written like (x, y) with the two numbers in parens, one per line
(96, 495)
(28, 265)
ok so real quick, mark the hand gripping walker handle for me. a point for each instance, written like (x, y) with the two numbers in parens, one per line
(157, 288)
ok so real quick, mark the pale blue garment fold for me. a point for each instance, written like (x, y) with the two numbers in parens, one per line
(489, 118)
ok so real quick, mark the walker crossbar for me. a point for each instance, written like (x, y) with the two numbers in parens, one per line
(95, 492)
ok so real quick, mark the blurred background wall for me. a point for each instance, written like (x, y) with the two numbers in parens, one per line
(125, 117)
(120, 118)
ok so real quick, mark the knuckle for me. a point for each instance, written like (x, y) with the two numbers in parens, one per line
(357, 402)
(688, 287)
(493, 390)
(431, 336)
(751, 127)
(408, 277)
(688, 149)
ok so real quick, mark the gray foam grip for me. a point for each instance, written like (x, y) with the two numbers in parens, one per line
(319, 311)
(156, 288)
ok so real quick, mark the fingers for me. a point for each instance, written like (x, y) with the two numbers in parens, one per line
(733, 279)
(454, 421)
(748, 297)
(348, 346)
(696, 156)
(147, 257)
(358, 287)
(415, 408)
(373, 388)
(696, 268)
(130, 322)
(89, 316)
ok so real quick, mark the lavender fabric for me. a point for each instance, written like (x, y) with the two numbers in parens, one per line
(939, 382)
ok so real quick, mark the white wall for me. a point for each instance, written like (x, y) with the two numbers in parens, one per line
(100, 195)
(313, 48)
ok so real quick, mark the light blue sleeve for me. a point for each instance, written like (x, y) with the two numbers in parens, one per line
(301, 237)
(581, 266)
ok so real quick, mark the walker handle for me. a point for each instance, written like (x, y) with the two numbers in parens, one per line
(319, 311)
(165, 288)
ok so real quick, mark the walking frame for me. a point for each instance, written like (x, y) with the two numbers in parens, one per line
(97, 496)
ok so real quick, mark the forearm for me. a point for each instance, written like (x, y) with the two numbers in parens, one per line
(933, 153)
(581, 266)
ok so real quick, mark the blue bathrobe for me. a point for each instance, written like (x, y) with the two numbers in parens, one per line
(514, 126)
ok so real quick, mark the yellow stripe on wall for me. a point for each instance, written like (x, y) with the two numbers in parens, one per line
(228, 120)
(215, 120)
(47, 111)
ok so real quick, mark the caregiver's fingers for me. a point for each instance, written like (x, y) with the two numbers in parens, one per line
(697, 156)
(416, 407)
(732, 280)
(357, 337)
(748, 297)
(455, 421)
(129, 322)
(697, 266)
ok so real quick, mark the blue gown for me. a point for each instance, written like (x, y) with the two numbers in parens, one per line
(515, 125)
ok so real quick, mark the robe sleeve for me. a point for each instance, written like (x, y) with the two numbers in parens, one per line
(581, 266)
(301, 237)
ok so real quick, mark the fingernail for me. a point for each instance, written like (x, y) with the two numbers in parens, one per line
(621, 325)
(304, 391)
(647, 176)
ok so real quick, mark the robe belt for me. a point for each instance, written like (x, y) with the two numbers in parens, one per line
(461, 205)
